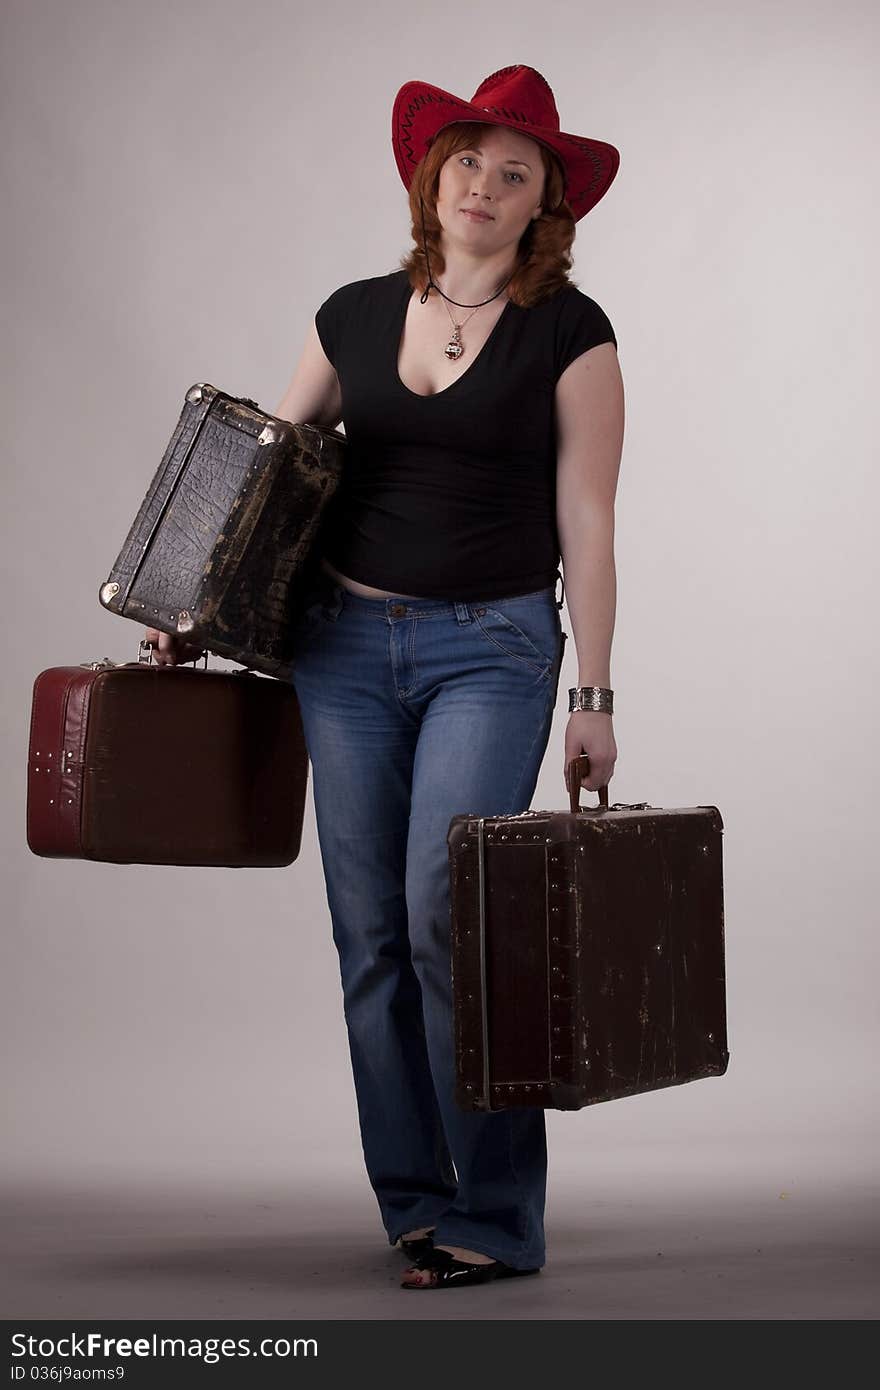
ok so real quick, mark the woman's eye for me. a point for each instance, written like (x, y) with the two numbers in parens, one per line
(512, 172)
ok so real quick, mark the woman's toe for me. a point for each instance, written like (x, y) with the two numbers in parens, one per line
(414, 1277)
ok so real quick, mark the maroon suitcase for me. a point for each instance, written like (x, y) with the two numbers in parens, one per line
(142, 764)
(587, 952)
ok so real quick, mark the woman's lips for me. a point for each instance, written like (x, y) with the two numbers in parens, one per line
(477, 216)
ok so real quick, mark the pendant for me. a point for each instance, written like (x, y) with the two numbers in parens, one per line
(454, 348)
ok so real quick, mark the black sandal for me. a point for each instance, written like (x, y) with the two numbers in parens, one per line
(416, 1249)
(447, 1272)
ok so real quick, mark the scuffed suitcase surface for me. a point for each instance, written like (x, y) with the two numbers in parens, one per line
(140, 764)
(598, 968)
(224, 539)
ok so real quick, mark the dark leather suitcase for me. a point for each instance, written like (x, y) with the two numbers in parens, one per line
(587, 952)
(142, 764)
(223, 545)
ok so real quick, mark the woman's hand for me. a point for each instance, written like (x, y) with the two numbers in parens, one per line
(168, 650)
(590, 731)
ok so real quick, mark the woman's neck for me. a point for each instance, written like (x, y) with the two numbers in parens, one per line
(471, 280)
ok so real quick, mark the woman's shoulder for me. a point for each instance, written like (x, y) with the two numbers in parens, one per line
(576, 322)
(578, 315)
(354, 308)
(570, 299)
(373, 286)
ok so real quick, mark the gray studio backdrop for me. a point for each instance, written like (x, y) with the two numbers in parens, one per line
(184, 184)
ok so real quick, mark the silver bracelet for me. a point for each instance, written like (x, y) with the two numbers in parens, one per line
(590, 697)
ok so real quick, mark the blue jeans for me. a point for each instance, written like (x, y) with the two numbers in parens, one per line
(414, 710)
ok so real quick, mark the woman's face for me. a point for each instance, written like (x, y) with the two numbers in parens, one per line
(501, 176)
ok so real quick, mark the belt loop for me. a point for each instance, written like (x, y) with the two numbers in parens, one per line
(463, 612)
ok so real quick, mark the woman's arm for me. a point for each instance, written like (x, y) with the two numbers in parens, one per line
(589, 433)
(313, 396)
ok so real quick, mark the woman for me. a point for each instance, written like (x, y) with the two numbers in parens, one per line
(483, 409)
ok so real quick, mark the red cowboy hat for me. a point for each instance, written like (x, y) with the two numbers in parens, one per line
(518, 97)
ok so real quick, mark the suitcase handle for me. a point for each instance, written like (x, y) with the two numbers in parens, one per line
(145, 655)
(578, 768)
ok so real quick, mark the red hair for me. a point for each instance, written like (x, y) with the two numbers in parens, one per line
(544, 250)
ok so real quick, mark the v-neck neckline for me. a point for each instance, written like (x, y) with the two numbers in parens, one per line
(398, 336)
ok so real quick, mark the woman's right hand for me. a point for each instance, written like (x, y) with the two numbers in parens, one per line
(169, 650)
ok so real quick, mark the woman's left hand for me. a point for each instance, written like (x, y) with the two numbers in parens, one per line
(590, 731)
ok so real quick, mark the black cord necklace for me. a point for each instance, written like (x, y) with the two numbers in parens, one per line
(432, 281)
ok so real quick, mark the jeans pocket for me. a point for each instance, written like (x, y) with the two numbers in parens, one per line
(529, 633)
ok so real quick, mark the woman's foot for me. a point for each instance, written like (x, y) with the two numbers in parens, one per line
(421, 1274)
(449, 1265)
(458, 1252)
(415, 1244)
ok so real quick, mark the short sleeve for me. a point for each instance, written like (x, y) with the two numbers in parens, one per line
(582, 324)
(328, 320)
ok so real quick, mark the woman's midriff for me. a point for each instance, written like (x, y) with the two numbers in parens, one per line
(365, 590)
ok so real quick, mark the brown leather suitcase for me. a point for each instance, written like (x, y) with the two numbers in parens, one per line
(225, 541)
(587, 952)
(142, 764)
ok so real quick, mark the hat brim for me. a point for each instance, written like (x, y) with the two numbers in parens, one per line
(420, 110)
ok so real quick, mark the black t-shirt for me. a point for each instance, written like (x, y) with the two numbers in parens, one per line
(452, 495)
